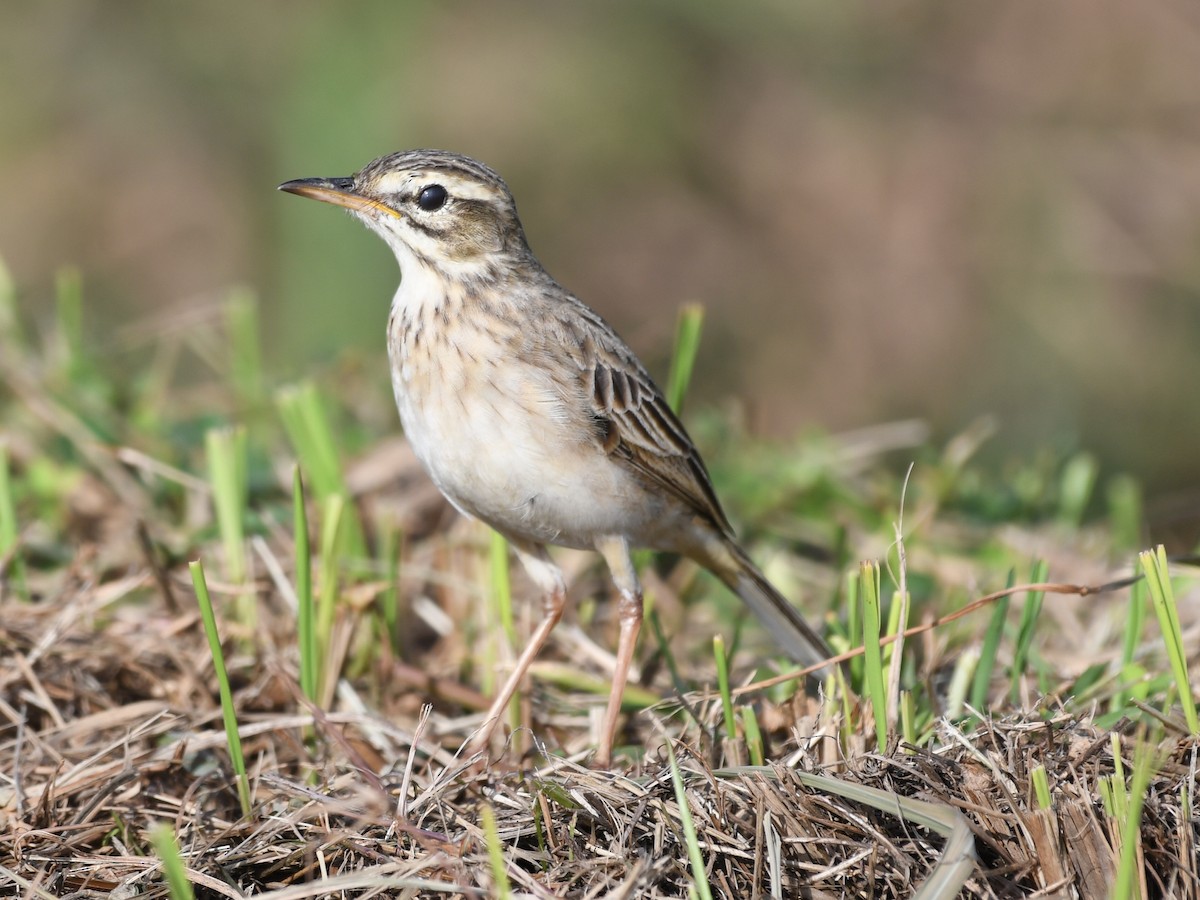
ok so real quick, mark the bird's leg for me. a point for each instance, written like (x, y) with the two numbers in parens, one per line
(548, 577)
(629, 612)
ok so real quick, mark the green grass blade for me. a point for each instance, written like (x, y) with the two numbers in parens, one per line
(896, 623)
(501, 585)
(683, 358)
(165, 846)
(1158, 583)
(1041, 787)
(312, 438)
(991, 646)
(228, 713)
(960, 680)
(331, 529)
(723, 686)
(1146, 761)
(1028, 627)
(873, 655)
(893, 661)
(571, 677)
(491, 837)
(1118, 764)
(308, 428)
(754, 738)
(226, 452)
(1108, 799)
(1135, 620)
(310, 664)
(1135, 625)
(854, 625)
(391, 541)
(695, 857)
(908, 718)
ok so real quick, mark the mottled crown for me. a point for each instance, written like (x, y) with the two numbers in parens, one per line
(430, 161)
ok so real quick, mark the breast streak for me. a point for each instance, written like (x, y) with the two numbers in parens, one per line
(507, 441)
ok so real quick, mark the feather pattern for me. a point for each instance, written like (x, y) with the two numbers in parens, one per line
(642, 431)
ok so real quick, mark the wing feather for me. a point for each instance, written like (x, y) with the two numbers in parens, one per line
(634, 423)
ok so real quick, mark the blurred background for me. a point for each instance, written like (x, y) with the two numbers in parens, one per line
(889, 210)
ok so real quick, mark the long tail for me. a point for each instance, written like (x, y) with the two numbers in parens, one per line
(793, 634)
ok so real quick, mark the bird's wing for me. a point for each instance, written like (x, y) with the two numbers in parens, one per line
(632, 420)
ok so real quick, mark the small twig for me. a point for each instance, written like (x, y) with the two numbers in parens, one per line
(1169, 723)
(18, 746)
(280, 579)
(406, 781)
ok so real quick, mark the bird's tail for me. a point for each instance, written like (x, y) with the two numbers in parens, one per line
(793, 634)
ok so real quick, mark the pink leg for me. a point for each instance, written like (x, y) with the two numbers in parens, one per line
(616, 554)
(547, 576)
(630, 613)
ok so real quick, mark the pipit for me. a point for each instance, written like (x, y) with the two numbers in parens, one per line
(530, 413)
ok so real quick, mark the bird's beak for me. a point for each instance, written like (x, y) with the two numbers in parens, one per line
(338, 191)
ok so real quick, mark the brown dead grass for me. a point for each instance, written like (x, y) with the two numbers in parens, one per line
(109, 724)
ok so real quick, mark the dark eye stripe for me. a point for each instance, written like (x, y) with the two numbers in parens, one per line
(420, 226)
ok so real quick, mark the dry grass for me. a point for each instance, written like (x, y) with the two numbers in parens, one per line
(110, 725)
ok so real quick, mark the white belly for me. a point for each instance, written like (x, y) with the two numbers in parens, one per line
(507, 443)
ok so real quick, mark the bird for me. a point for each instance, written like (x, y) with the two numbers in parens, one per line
(531, 414)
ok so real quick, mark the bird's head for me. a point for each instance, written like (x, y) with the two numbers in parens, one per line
(430, 206)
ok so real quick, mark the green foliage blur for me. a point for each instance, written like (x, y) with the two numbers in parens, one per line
(887, 210)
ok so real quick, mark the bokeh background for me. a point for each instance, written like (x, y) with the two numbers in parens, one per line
(889, 210)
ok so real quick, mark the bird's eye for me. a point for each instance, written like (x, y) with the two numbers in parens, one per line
(432, 198)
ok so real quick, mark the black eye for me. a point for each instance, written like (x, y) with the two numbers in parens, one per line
(432, 197)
